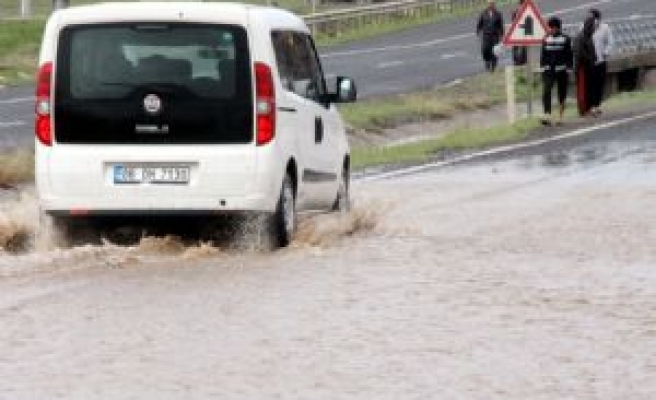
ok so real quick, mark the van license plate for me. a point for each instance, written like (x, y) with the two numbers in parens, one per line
(151, 174)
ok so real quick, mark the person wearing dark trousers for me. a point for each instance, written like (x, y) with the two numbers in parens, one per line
(586, 59)
(490, 31)
(556, 60)
(603, 44)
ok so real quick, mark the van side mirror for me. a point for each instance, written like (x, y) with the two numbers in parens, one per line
(346, 90)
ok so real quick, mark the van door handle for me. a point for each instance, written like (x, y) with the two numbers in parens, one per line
(318, 130)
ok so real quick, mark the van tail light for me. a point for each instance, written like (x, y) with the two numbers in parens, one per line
(265, 104)
(43, 121)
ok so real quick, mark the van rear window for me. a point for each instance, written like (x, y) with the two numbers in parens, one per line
(196, 78)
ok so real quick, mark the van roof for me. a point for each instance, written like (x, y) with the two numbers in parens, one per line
(207, 12)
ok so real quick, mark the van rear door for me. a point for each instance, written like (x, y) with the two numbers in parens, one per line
(153, 83)
(152, 116)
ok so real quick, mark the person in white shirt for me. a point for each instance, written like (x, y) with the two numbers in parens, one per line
(603, 44)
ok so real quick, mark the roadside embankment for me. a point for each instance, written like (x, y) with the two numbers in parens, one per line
(417, 128)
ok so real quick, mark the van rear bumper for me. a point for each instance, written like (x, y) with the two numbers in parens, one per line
(264, 202)
(80, 180)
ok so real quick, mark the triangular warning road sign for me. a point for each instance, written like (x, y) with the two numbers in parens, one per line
(528, 28)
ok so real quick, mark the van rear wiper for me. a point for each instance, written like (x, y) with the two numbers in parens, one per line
(122, 84)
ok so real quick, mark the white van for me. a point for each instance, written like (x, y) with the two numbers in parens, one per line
(187, 108)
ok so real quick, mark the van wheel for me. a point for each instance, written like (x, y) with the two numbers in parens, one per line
(343, 199)
(284, 219)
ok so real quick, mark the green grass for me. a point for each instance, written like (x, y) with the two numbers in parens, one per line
(630, 99)
(475, 93)
(19, 44)
(462, 139)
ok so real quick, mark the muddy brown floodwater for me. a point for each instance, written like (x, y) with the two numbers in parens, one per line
(513, 280)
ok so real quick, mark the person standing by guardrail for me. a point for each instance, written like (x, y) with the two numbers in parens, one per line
(490, 31)
(603, 44)
(556, 60)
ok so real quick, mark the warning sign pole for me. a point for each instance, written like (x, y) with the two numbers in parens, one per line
(510, 94)
(529, 80)
(528, 29)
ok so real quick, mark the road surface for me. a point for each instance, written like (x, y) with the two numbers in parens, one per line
(438, 54)
(527, 274)
(419, 58)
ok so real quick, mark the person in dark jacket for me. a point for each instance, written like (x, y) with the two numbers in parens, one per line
(556, 61)
(586, 59)
(490, 31)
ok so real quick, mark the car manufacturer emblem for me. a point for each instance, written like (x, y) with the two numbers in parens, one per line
(152, 104)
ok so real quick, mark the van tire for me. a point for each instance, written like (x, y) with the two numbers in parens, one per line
(284, 221)
(343, 198)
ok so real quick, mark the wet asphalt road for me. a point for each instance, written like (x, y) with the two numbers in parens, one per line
(419, 58)
(528, 275)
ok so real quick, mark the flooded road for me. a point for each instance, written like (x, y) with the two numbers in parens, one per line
(528, 276)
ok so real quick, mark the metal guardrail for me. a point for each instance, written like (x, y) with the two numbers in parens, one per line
(333, 22)
(634, 42)
(631, 36)
(634, 36)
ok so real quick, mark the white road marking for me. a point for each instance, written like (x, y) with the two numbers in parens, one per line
(12, 124)
(577, 8)
(454, 82)
(397, 47)
(389, 64)
(459, 54)
(503, 149)
(17, 100)
(434, 42)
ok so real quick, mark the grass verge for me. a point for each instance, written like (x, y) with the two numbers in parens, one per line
(478, 92)
(19, 45)
(423, 150)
